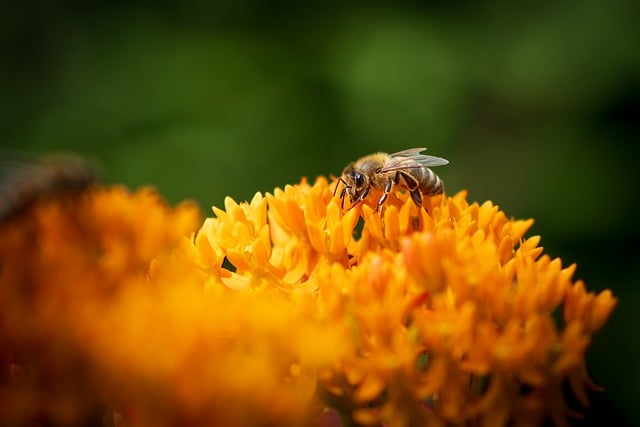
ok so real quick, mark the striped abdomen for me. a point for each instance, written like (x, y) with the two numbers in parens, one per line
(430, 184)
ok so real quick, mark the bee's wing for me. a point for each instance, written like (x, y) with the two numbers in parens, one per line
(430, 161)
(412, 158)
(411, 152)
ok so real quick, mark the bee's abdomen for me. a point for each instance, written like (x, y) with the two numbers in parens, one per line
(430, 183)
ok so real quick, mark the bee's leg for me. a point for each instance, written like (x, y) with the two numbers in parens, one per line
(385, 194)
(343, 193)
(362, 196)
(416, 196)
(414, 189)
(335, 189)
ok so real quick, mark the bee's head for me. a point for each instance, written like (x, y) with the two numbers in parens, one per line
(355, 183)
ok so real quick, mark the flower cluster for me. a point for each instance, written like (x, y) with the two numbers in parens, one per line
(119, 309)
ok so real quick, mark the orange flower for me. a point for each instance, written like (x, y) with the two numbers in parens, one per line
(286, 305)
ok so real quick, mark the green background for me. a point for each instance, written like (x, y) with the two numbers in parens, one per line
(536, 105)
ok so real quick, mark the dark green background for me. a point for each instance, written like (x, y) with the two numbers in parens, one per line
(536, 105)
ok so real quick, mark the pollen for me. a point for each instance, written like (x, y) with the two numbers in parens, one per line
(273, 311)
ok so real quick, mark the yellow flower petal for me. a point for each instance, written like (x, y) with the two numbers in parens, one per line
(279, 307)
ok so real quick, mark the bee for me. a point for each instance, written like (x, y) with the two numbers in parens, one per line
(408, 169)
(23, 181)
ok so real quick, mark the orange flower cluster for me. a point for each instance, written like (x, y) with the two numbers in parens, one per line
(116, 311)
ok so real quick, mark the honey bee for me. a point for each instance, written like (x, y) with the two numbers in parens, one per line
(408, 169)
(22, 181)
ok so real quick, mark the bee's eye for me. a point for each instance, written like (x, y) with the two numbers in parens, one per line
(359, 179)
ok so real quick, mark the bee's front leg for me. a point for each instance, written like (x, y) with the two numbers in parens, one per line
(360, 198)
(343, 194)
(364, 195)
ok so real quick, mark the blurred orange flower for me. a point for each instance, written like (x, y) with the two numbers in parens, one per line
(119, 310)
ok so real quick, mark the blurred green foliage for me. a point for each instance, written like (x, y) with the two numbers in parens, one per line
(536, 105)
